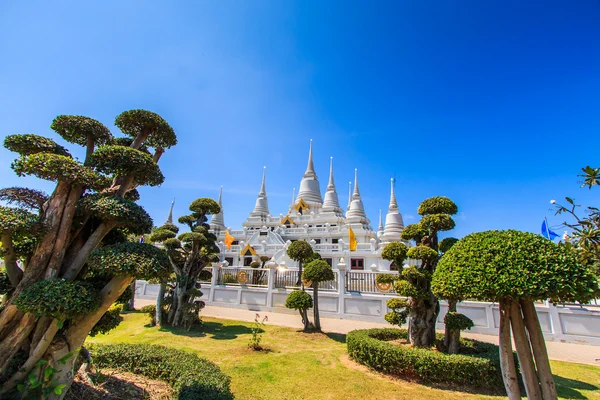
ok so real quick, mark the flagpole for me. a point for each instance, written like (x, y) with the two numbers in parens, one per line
(547, 228)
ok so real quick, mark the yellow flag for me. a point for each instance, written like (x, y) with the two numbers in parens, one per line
(352, 238)
(228, 240)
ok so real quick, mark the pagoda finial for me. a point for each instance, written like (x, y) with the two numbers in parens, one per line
(263, 189)
(356, 191)
(309, 190)
(331, 184)
(349, 194)
(393, 202)
(217, 222)
(310, 168)
(294, 196)
(380, 228)
(221, 196)
(170, 217)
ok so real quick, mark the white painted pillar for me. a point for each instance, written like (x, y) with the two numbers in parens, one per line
(213, 282)
(342, 267)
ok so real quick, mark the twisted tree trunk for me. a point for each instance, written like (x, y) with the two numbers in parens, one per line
(421, 324)
(507, 361)
(452, 336)
(316, 306)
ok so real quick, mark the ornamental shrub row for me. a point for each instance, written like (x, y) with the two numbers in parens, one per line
(480, 368)
(193, 378)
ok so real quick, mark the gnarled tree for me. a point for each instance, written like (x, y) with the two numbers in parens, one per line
(516, 269)
(317, 271)
(189, 254)
(49, 243)
(414, 282)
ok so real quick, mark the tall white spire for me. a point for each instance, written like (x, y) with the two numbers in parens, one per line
(380, 228)
(217, 221)
(261, 208)
(331, 202)
(170, 217)
(356, 212)
(349, 195)
(310, 191)
(394, 223)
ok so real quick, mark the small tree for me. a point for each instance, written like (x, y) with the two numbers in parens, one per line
(317, 271)
(189, 254)
(301, 301)
(300, 251)
(415, 282)
(515, 269)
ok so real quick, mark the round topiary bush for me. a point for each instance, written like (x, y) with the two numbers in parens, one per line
(479, 368)
(193, 378)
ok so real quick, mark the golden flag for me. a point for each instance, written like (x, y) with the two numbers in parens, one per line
(352, 238)
(228, 240)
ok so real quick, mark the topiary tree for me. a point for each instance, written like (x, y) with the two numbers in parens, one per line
(301, 301)
(516, 269)
(415, 282)
(317, 271)
(189, 254)
(300, 251)
(57, 248)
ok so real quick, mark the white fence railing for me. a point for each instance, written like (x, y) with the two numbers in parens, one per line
(356, 295)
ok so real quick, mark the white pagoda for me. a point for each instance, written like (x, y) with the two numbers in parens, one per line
(317, 219)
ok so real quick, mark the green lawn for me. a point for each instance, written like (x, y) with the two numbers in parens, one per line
(310, 366)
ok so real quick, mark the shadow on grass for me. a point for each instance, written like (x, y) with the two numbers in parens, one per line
(338, 337)
(213, 330)
(570, 388)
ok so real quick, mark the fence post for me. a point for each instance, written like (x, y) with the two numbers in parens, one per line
(271, 285)
(213, 282)
(341, 285)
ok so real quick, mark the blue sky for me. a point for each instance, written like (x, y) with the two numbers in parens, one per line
(495, 104)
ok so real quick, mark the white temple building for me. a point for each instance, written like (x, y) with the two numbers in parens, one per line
(317, 219)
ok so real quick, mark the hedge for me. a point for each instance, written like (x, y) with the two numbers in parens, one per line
(192, 377)
(480, 368)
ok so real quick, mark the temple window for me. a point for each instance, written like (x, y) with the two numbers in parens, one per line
(335, 241)
(318, 241)
(357, 263)
(229, 260)
(328, 261)
(247, 261)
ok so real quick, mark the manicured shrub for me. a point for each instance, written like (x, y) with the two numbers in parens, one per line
(479, 368)
(109, 321)
(193, 378)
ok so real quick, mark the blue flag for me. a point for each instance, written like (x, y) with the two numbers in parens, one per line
(547, 233)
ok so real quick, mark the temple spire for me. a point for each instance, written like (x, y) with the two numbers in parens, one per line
(349, 195)
(309, 190)
(394, 224)
(261, 208)
(380, 228)
(170, 217)
(356, 191)
(217, 221)
(356, 212)
(331, 203)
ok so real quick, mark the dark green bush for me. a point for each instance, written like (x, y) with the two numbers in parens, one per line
(5, 285)
(456, 320)
(109, 321)
(150, 309)
(480, 368)
(191, 377)
(299, 300)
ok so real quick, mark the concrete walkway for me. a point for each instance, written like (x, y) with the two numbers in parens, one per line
(575, 353)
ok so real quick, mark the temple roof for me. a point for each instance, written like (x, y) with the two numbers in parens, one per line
(394, 224)
(217, 221)
(331, 203)
(261, 208)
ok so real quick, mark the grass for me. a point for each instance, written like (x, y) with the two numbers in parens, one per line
(310, 366)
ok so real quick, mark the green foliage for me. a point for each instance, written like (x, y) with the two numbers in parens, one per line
(423, 253)
(386, 278)
(109, 321)
(27, 144)
(257, 331)
(58, 298)
(228, 278)
(480, 369)
(140, 260)
(395, 252)
(170, 227)
(134, 122)
(24, 197)
(456, 320)
(205, 276)
(254, 264)
(299, 300)
(414, 274)
(414, 232)
(299, 251)
(193, 378)
(493, 265)
(76, 129)
(188, 237)
(318, 271)
(18, 220)
(127, 213)
(408, 289)
(591, 177)
(172, 244)
(205, 206)
(437, 222)
(150, 309)
(160, 235)
(447, 243)
(121, 161)
(437, 205)
(54, 167)
(399, 310)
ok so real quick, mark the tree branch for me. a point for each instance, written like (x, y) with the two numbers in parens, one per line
(15, 274)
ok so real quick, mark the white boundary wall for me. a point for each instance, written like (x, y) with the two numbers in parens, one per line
(571, 324)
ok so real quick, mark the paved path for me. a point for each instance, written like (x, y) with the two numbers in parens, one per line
(576, 353)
